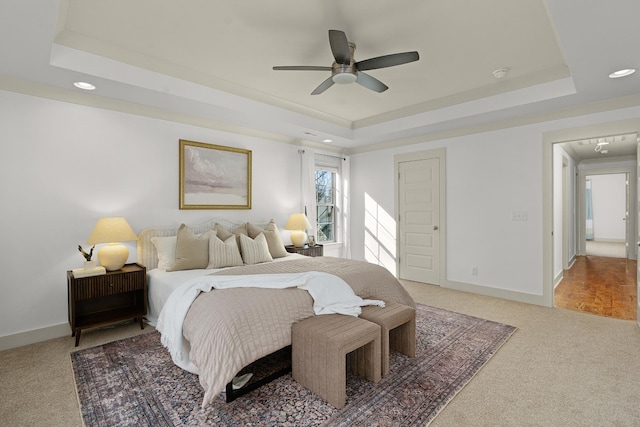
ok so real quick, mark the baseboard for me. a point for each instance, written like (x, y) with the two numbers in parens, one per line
(496, 293)
(558, 279)
(609, 240)
(37, 335)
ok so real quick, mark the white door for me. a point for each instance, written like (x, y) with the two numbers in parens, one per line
(418, 220)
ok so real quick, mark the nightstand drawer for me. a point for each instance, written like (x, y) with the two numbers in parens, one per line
(107, 284)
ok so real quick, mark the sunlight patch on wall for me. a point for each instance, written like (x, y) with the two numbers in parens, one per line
(380, 235)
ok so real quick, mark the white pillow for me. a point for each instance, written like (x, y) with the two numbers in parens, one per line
(224, 254)
(254, 251)
(166, 249)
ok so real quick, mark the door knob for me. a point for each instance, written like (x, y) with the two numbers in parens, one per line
(435, 227)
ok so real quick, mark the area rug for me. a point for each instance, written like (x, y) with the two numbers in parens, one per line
(133, 382)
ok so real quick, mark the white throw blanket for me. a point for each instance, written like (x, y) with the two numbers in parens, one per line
(330, 294)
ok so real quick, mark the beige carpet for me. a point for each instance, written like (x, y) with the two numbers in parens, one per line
(561, 368)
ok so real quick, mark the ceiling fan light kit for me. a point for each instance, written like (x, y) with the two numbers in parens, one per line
(344, 78)
(346, 70)
(343, 74)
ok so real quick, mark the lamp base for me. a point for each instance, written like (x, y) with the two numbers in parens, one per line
(113, 256)
(299, 239)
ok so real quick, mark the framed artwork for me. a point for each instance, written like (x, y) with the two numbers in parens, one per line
(214, 176)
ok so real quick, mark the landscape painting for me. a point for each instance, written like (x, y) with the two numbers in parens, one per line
(214, 176)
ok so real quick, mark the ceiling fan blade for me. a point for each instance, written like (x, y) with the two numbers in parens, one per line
(340, 47)
(323, 86)
(387, 61)
(302, 68)
(371, 82)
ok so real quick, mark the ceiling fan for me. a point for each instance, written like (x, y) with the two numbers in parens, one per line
(346, 70)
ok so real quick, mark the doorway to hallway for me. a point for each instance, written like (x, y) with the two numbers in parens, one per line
(599, 285)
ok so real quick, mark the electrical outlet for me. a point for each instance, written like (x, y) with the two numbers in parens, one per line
(518, 216)
(474, 271)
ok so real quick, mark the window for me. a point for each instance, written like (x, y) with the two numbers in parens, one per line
(326, 204)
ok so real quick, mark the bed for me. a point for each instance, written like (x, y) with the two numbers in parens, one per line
(225, 330)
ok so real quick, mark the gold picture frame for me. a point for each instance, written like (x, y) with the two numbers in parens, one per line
(214, 176)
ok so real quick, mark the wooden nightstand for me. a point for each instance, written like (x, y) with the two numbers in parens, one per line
(107, 298)
(306, 250)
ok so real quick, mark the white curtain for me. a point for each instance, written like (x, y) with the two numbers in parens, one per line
(308, 190)
(343, 192)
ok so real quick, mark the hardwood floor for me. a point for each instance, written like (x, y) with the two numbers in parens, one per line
(600, 285)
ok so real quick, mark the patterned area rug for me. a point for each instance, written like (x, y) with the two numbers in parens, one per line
(132, 382)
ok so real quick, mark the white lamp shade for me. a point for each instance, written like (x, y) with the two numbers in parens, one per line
(298, 221)
(109, 230)
(112, 231)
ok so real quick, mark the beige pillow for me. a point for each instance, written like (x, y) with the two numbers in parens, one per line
(222, 233)
(241, 229)
(191, 251)
(272, 234)
(224, 254)
(254, 251)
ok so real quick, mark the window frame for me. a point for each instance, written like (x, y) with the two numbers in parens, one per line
(336, 176)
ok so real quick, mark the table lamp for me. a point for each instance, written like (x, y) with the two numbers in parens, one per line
(112, 231)
(299, 223)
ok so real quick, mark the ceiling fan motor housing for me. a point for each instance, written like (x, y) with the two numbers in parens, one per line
(345, 73)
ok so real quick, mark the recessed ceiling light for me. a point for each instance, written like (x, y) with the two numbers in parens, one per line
(84, 85)
(327, 140)
(622, 73)
(500, 73)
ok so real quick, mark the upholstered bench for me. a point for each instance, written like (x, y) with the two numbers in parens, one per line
(319, 346)
(398, 329)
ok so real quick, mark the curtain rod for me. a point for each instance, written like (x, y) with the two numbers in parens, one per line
(327, 155)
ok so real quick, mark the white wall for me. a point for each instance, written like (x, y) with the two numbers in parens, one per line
(486, 181)
(64, 165)
(609, 196)
(488, 176)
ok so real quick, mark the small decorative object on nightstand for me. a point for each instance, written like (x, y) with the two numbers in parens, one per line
(307, 250)
(111, 297)
(89, 268)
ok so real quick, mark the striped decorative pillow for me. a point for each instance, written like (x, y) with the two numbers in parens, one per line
(224, 254)
(254, 251)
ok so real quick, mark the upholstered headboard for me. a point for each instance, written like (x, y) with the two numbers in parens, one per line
(147, 254)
